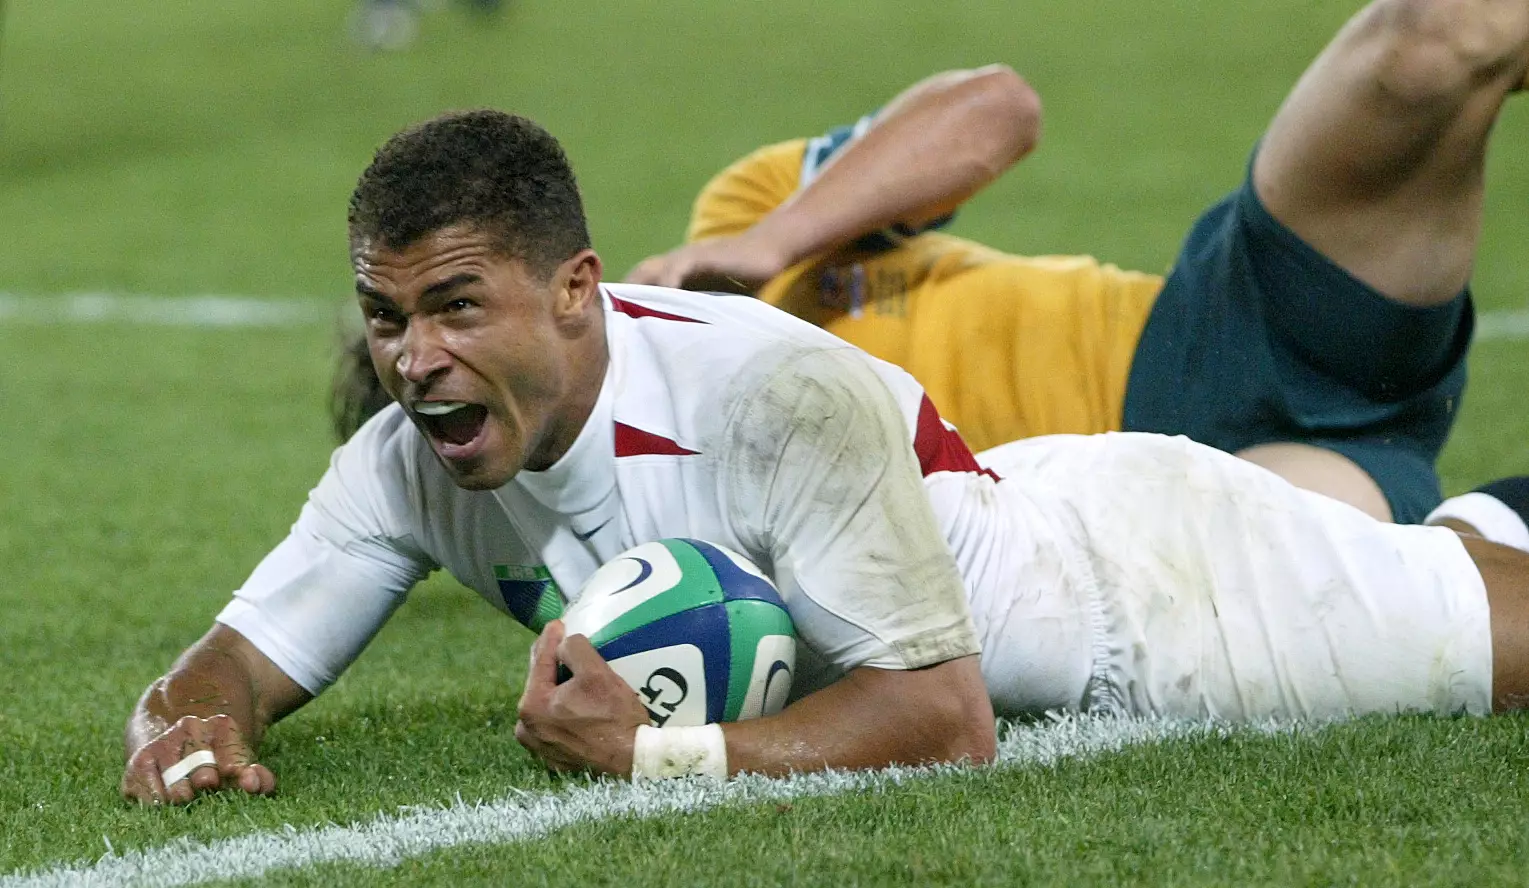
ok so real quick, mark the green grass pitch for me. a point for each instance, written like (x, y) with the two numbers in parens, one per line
(173, 148)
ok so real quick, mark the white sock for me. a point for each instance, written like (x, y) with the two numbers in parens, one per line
(1492, 518)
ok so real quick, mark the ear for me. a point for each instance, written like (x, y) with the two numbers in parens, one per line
(578, 284)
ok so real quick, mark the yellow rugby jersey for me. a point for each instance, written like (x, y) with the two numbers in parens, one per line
(1006, 346)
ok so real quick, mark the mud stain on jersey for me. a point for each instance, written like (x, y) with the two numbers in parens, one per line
(819, 460)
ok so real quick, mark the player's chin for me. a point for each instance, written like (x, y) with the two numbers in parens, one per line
(486, 462)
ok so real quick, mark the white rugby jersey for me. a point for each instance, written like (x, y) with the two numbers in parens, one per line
(720, 419)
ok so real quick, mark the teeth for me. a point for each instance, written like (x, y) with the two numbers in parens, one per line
(438, 408)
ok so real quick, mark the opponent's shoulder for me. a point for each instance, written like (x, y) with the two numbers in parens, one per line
(819, 150)
(746, 190)
(749, 188)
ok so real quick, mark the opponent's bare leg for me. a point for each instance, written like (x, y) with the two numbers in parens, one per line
(1324, 471)
(1376, 159)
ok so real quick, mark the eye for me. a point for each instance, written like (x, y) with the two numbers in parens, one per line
(459, 304)
(382, 316)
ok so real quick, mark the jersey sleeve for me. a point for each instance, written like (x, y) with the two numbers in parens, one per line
(821, 474)
(821, 149)
(320, 596)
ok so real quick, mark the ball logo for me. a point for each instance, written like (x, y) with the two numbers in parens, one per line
(644, 570)
(623, 584)
(780, 669)
(670, 683)
(663, 693)
(770, 681)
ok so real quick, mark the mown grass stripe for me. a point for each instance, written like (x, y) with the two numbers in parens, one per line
(1503, 325)
(518, 817)
(249, 311)
(163, 311)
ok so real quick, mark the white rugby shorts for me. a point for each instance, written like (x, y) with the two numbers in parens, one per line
(1155, 576)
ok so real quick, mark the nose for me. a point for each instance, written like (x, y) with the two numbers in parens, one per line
(422, 355)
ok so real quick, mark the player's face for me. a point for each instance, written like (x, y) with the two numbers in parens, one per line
(497, 368)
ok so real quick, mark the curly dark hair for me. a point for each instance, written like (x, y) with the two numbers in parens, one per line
(492, 170)
(355, 392)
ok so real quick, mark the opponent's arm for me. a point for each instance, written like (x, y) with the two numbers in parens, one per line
(932, 147)
(219, 697)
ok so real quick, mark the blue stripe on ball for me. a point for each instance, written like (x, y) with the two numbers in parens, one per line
(736, 583)
(705, 627)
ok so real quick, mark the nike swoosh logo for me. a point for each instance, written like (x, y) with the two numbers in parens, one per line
(584, 537)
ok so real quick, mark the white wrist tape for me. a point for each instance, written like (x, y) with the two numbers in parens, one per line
(662, 753)
(183, 768)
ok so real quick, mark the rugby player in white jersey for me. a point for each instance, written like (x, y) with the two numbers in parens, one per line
(545, 422)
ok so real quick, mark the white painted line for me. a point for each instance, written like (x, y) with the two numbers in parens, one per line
(1502, 325)
(166, 311)
(387, 841)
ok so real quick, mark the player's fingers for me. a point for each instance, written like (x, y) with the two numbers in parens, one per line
(199, 759)
(154, 773)
(565, 766)
(257, 780)
(140, 780)
(547, 753)
(675, 274)
(235, 755)
(541, 676)
(551, 638)
(692, 272)
(207, 778)
(526, 736)
(668, 270)
(647, 271)
(185, 759)
(580, 656)
(143, 789)
(175, 770)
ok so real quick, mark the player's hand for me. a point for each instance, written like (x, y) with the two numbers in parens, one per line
(586, 723)
(233, 766)
(735, 264)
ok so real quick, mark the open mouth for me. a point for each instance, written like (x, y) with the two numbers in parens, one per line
(456, 423)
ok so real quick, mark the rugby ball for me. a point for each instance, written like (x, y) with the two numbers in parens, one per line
(697, 630)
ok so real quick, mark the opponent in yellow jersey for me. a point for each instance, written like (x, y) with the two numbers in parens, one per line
(1007, 346)
(1316, 321)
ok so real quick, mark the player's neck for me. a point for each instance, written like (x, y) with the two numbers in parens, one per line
(588, 378)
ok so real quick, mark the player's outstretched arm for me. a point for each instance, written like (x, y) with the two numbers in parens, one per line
(933, 146)
(873, 718)
(207, 714)
(870, 718)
